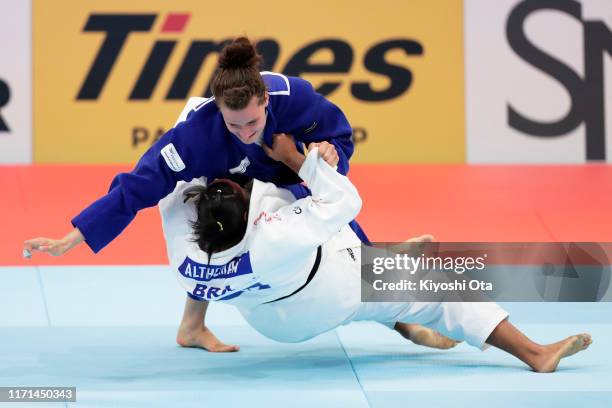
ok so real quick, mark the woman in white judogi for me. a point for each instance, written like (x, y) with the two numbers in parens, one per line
(292, 267)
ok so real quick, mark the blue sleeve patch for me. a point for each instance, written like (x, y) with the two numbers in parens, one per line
(204, 273)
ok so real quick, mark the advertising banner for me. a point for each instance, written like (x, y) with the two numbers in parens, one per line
(112, 76)
(538, 81)
(15, 82)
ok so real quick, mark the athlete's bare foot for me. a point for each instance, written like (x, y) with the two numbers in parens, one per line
(422, 238)
(416, 333)
(548, 359)
(202, 337)
(412, 246)
(424, 336)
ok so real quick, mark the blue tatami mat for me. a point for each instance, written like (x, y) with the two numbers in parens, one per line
(111, 296)
(21, 298)
(119, 296)
(392, 371)
(110, 332)
(142, 367)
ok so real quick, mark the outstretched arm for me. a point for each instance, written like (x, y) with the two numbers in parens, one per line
(172, 158)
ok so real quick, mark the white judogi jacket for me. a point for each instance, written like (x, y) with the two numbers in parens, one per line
(277, 254)
(280, 244)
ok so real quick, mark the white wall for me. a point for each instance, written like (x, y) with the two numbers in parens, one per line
(16, 75)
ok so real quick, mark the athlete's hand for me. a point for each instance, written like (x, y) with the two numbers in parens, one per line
(55, 247)
(284, 150)
(414, 246)
(283, 147)
(327, 151)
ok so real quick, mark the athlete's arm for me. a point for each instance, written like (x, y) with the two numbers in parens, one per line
(106, 218)
(334, 128)
(317, 120)
(173, 158)
(284, 151)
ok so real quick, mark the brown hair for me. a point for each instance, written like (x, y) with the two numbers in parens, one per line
(237, 77)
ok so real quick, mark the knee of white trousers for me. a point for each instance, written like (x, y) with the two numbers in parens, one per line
(472, 322)
(486, 317)
(390, 325)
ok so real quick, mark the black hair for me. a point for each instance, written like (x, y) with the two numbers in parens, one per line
(222, 208)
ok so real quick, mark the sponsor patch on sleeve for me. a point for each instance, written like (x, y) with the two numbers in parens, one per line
(172, 158)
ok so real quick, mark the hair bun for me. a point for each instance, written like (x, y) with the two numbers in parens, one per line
(240, 53)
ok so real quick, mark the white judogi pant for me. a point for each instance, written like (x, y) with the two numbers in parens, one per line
(333, 298)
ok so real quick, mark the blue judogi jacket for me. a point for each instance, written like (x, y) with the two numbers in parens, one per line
(205, 147)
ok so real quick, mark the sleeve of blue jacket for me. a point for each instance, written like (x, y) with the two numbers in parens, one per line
(150, 181)
(317, 119)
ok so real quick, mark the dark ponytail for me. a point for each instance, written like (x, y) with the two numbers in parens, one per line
(237, 77)
(221, 209)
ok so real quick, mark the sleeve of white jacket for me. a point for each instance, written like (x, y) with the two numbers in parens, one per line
(334, 201)
(311, 221)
